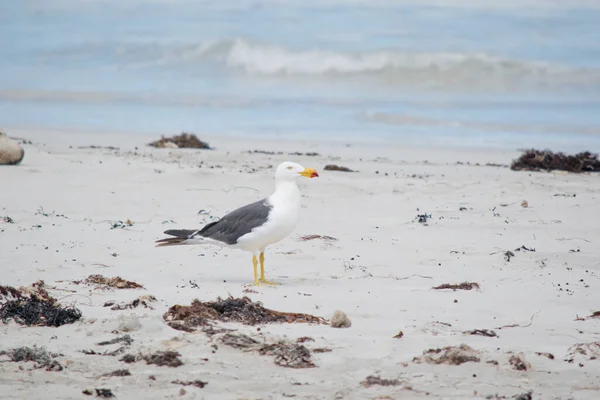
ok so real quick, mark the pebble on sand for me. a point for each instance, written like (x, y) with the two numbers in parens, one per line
(10, 151)
(340, 320)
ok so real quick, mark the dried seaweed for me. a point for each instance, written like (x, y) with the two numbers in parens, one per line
(287, 354)
(10, 293)
(185, 140)
(119, 372)
(34, 306)
(197, 383)
(422, 218)
(321, 350)
(589, 351)
(333, 167)
(451, 355)
(546, 160)
(125, 339)
(550, 356)
(482, 332)
(524, 396)
(39, 355)
(142, 300)
(518, 363)
(372, 380)
(107, 393)
(595, 314)
(161, 358)
(231, 309)
(459, 286)
(103, 282)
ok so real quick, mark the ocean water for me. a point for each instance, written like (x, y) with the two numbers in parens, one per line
(444, 72)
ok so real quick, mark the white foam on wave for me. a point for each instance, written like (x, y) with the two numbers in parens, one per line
(398, 67)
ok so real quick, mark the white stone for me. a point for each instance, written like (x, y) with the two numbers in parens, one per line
(10, 151)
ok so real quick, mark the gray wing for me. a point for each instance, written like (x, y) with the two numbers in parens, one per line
(237, 223)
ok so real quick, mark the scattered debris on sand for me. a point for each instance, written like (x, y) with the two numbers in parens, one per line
(125, 339)
(161, 358)
(287, 354)
(304, 339)
(340, 168)
(546, 160)
(422, 218)
(197, 383)
(306, 238)
(525, 248)
(119, 372)
(321, 350)
(96, 147)
(482, 332)
(271, 153)
(459, 286)
(231, 309)
(34, 306)
(142, 300)
(340, 320)
(595, 314)
(106, 393)
(452, 355)
(42, 212)
(517, 361)
(399, 335)
(121, 225)
(185, 140)
(508, 255)
(524, 396)
(7, 219)
(550, 356)
(39, 355)
(103, 282)
(587, 351)
(372, 380)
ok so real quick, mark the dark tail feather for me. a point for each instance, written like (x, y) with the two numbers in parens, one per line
(181, 238)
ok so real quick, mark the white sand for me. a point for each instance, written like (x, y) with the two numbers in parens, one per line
(380, 271)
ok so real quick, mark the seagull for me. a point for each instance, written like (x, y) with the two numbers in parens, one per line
(254, 226)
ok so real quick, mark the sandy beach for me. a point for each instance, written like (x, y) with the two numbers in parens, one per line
(528, 240)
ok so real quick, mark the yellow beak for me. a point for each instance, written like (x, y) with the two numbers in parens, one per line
(309, 173)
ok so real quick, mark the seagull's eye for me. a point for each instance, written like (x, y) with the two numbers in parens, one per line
(290, 168)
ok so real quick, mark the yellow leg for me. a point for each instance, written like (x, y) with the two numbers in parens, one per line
(255, 264)
(262, 271)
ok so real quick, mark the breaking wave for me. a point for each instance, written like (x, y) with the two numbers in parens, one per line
(397, 67)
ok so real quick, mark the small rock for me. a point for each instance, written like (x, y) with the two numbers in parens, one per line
(340, 320)
(524, 204)
(10, 151)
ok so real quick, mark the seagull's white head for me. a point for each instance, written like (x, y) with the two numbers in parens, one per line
(289, 171)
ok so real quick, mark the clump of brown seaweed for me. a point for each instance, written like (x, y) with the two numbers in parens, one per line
(34, 306)
(185, 140)
(546, 160)
(231, 309)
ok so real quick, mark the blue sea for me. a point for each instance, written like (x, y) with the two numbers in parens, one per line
(468, 73)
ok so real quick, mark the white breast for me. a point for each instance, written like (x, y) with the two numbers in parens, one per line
(281, 222)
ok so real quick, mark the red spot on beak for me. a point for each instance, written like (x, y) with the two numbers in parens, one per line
(314, 174)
